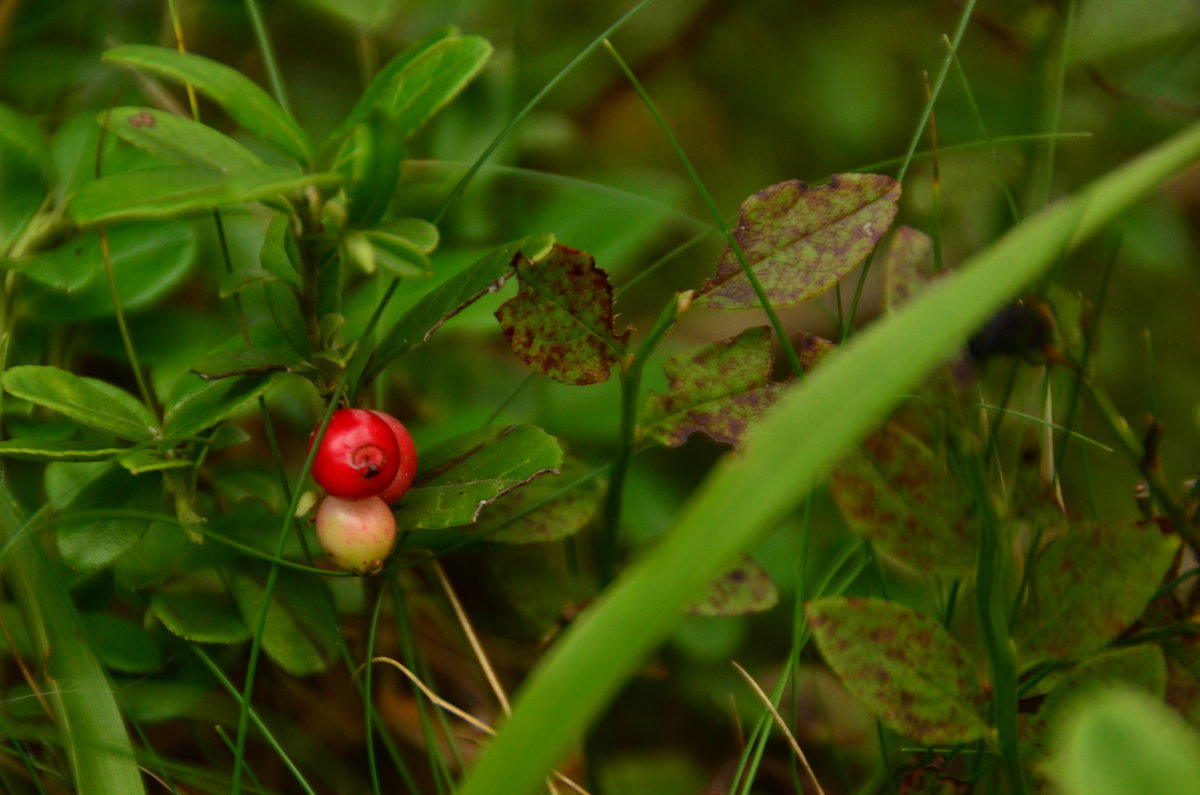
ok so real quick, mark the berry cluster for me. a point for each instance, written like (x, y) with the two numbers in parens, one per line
(366, 462)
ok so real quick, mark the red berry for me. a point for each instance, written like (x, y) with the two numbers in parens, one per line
(358, 457)
(357, 535)
(408, 460)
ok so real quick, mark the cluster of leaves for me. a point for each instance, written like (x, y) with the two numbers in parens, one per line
(117, 209)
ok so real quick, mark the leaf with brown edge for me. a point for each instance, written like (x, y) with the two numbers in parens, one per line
(907, 266)
(800, 240)
(745, 588)
(1088, 586)
(548, 509)
(902, 665)
(462, 476)
(716, 389)
(899, 493)
(560, 323)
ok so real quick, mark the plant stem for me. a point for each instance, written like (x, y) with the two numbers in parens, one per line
(268, 54)
(631, 383)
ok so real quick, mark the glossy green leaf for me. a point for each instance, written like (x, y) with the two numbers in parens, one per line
(902, 665)
(88, 401)
(138, 462)
(57, 450)
(900, 494)
(1088, 586)
(745, 588)
(149, 260)
(390, 253)
(301, 633)
(418, 82)
(245, 278)
(460, 477)
(122, 645)
(247, 361)
(199, 611)
(279, 256)
(541, 511)
(1123, 741)
(373, 96)
(443, 302)
(125, 504)
(199, 404)
(242, 99)
(177, 140)
(371, 160)
(717, 389)
(800, 240)
(169, 191)
(560, 322)
(907, 266)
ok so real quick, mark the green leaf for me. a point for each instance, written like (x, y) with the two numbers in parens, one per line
(717, 389)
(460, 477)
(155, 557)
(1143, 667)
(178, 140)
(24, 174)
(745, 588)
(747, 495)
(148, 259)
(57, 450)
(279, 256)
(907, 266)
(902, 665)
(127, 501)
(169, 191)
(1122, 741)
(1088, 586)
(900, 494)
(391, 253)
(247, 361)
(371, 160)
(122, 645)
(200, 404)
(141, 461)
(301, 633)
(560, 323)
(200, 611)
(537, 512)
(243, 100)
(368, 15)
(154, 700)
(800, 241)
(418, 82)
(460, 291)
(245, 278)
(88, 720)
(88, 401)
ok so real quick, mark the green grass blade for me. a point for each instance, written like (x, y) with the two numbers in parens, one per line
(89, 719)
(787, 453)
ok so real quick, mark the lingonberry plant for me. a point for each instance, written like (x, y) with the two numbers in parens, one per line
(865, 444)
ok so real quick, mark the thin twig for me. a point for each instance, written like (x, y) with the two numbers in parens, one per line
(468, 630)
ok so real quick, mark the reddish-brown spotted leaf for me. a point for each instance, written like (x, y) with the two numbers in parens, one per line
(901, 495)
(801, 240)
(716, 389)
(745, 588)
(560, 323)
(1088, 586)
(907, 266)
(902, 665)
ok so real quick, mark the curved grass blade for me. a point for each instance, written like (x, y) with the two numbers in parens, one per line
(748, 494)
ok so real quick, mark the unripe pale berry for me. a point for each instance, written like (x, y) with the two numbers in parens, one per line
(358, 457)
(408, 460)
(357, 535)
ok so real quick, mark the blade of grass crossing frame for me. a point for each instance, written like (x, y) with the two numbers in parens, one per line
(747, 494)
(89, 718)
